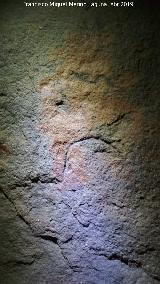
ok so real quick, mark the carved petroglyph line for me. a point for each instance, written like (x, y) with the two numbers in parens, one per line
(79, 98)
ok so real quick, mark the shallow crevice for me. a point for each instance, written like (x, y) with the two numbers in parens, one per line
(55, 240)
(18, 262)
(125, 260)
(16, 210)
(49, 238)
(83, 139)
(119, 118)
(31, 181)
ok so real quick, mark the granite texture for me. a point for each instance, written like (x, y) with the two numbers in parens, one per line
(79, 145)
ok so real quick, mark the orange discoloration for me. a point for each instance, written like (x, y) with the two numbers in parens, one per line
(82, 52)
(76, 170)
(77, 98)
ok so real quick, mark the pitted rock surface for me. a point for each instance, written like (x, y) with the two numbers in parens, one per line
(79, 145)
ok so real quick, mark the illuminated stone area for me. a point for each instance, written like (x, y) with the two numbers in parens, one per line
(79, 145)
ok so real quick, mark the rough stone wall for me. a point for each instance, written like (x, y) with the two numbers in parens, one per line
(79, 145)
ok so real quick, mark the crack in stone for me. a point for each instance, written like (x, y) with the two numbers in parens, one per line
(38, 179)
(16, 210)
(125, 260)
(68, 240)
(55, 240)
(74, 215)
(54, 180)
(45, 180)
(2, 94)
(119, 118)
(81, 223)
(96, 137)
(45, 236)
(48, 238)
(19, 262)
(116, 205)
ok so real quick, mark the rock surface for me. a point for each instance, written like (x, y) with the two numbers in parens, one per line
(79, 145)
